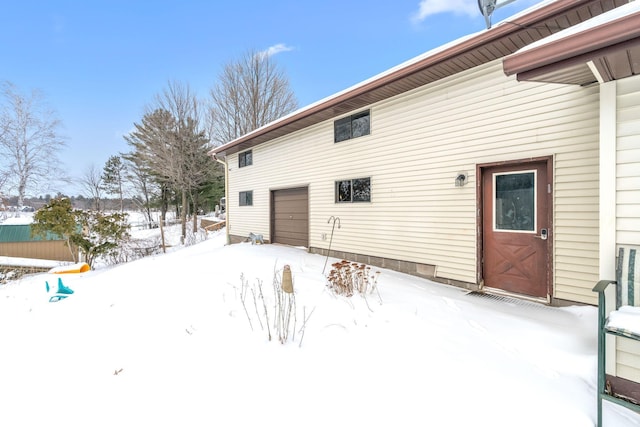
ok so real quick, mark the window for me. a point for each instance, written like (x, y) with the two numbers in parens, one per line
(245, 159)
(353, 190)
(515, 201)
(352, 126)
(246, 198)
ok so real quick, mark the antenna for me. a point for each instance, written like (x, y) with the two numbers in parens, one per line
(488, 6)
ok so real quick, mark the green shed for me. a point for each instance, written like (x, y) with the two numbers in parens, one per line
(16, 241)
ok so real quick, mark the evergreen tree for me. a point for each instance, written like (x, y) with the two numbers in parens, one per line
(57, 218)
(113, 178)
(173, 146)
(149, 142)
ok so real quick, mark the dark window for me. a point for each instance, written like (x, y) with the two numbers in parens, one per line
(515, 201)
(352, 126)
(246, 198)
(343, 191)
(342, 129)
(353, 190)
(245, 159)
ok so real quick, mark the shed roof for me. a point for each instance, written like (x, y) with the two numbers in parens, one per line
(12, 233)
(465, 53)
(602, 49)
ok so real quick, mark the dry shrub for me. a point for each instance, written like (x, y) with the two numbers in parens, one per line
(347, 277)
(276, 313)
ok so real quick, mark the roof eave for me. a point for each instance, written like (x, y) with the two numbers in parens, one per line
(469, 43)
(580, 47)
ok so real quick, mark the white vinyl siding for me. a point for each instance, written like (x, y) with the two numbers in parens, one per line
(245, 219)
(628, 359)
(628, 162)
(418, 144)
(628, 200)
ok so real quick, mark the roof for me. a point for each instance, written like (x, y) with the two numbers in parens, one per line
(603, 49)
(502, 40)
(21, 233)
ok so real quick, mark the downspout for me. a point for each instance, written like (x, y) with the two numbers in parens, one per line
(226, 194)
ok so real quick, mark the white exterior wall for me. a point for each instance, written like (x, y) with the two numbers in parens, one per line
(628, 359)
(628, 162)
(419, 141)
(628, 199)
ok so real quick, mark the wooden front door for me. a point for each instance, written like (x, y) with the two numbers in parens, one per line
(516, 228)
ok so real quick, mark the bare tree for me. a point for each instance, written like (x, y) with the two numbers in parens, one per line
(4, 177)
(29, 141)
(250, 93)
(198, 167)
(91, 182)
(141, 178)
(178, 100)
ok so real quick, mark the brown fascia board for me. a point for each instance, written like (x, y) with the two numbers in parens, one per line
(594, 39)
(485, 37)
(540, 74)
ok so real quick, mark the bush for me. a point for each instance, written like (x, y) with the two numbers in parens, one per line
(276, 313)
(347, 277)
(94, 233)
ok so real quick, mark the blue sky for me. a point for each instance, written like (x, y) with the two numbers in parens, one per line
(99, 63)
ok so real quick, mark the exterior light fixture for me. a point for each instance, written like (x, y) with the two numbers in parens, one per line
(461, 179)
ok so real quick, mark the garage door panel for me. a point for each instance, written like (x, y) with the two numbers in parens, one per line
(291, 196)
(292, 211)
(292, 206)
(285, 226)
(291, 216)
(290, 235)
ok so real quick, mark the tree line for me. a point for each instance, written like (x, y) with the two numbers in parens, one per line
(167, 163)
(78, 201)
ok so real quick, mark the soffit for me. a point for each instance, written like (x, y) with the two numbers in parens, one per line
(486, 46)
(606, 52)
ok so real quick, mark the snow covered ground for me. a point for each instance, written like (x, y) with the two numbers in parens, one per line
(166, 341)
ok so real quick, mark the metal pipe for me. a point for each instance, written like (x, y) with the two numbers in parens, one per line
(335, 219)
(226, 194)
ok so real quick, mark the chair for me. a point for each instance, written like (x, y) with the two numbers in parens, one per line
(619, 333)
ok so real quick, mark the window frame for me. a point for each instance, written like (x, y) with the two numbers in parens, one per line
(534, 202)
(245, 201)
(350, 120)
(242, 158)
(337, 198)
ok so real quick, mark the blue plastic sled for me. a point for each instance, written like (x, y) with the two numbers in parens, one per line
(60, 293)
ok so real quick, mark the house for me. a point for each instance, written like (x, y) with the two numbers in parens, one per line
(479, 164)
(16, 241)
(604, 51)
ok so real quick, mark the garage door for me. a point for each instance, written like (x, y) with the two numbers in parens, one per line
(290, 216)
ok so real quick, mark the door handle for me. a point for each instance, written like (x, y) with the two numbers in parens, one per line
(544, 234)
